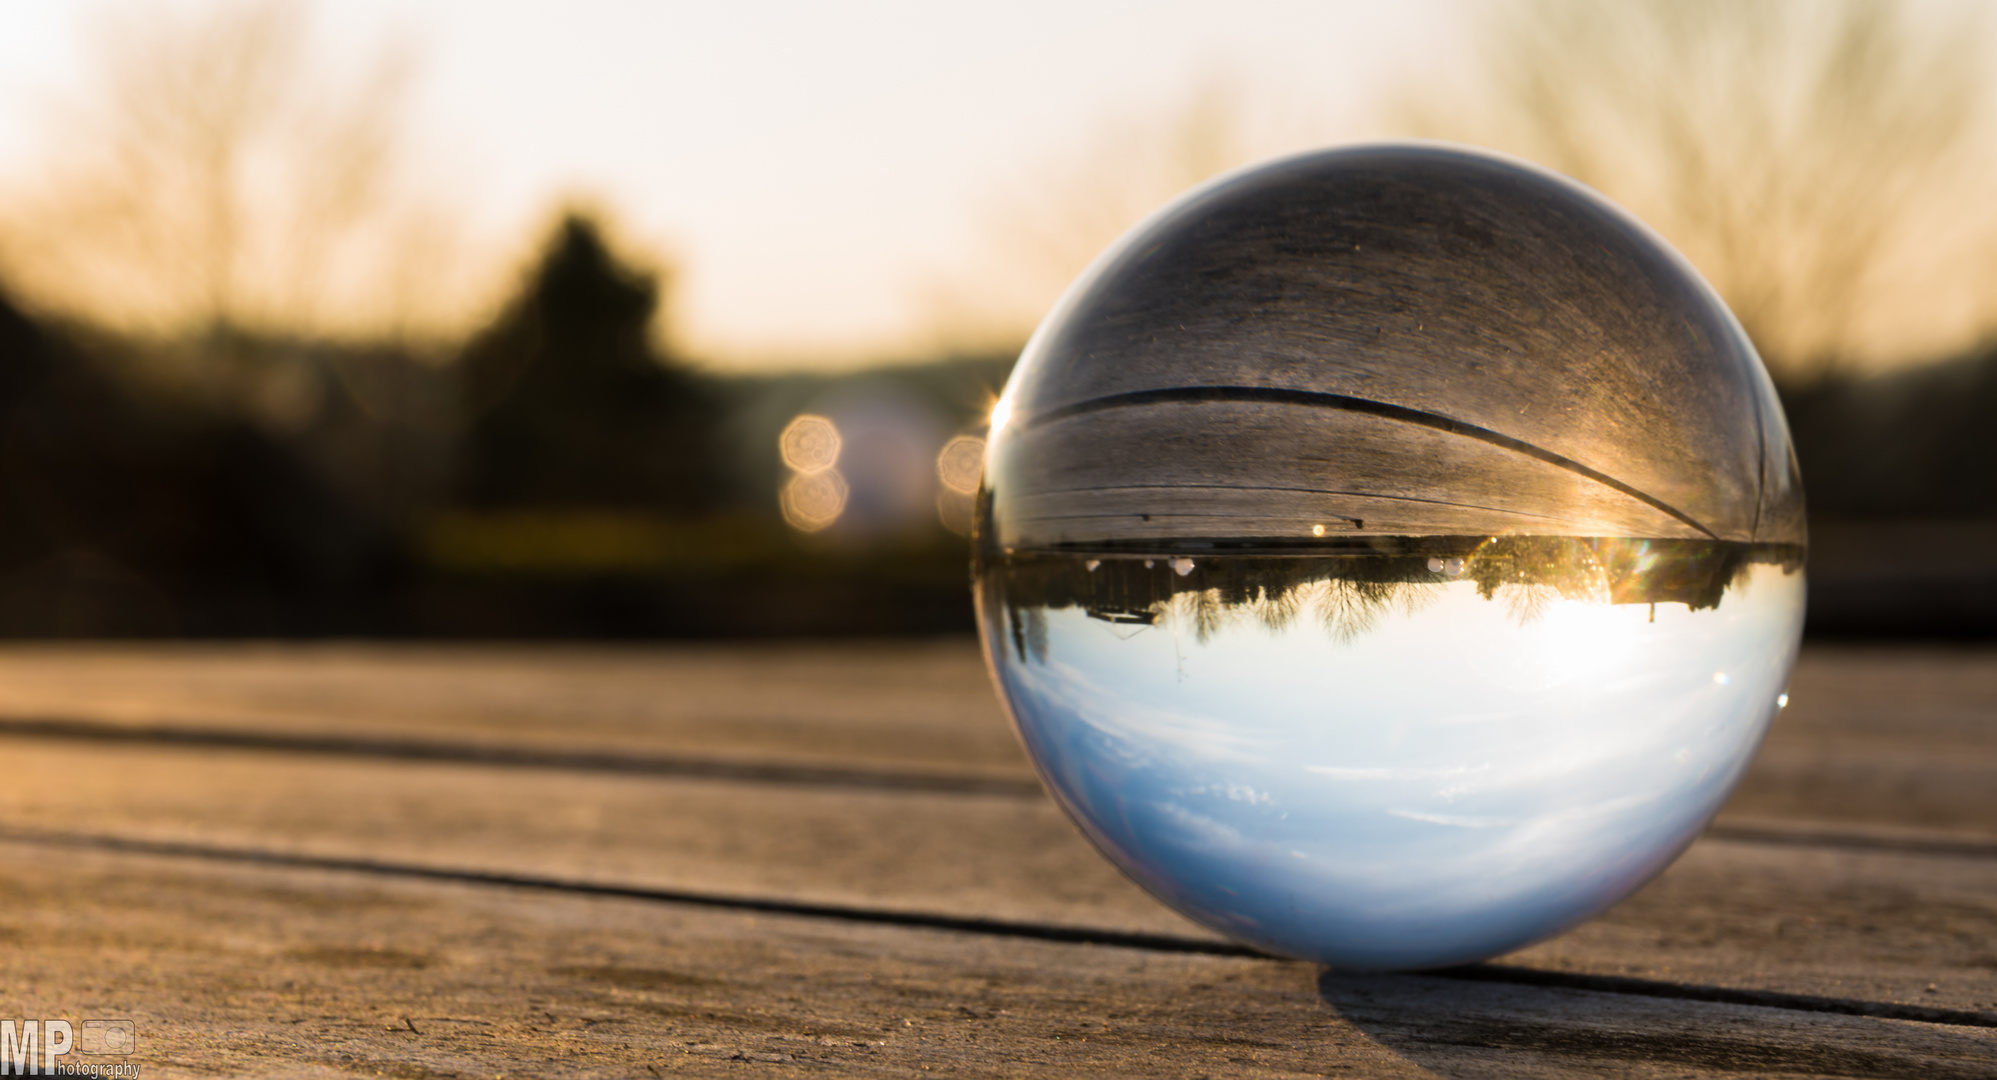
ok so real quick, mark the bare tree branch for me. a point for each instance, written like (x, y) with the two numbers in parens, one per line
(1818, 161)
(219, 177)
(1042, 232)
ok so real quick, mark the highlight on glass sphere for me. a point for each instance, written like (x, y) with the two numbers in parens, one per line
(1390, 556)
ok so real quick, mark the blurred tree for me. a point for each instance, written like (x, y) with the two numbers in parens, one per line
(1911, 443)
(142, 513)
(215, 176)
(1131, 168)
(1821, 161)
(572, 404)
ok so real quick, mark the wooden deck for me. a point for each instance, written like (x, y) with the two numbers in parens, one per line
(823, 860)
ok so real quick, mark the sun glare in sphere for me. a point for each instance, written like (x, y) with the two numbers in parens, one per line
(1001, 414)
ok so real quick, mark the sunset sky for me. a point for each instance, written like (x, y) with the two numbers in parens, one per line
(845, 183)
(815, 172)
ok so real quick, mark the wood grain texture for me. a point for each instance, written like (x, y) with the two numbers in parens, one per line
(236, 971)
(1902, 736)
(1776, 917)
(1429, 280)
(1234, 470)
(912, 705)
(235, 968)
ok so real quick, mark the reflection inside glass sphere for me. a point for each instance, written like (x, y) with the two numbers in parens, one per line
(1390, 556)
(1415, 765)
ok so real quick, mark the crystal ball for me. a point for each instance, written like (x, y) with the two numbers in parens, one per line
(1390, 556)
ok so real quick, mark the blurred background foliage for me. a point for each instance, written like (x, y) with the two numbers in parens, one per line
(255, 383)
(555, 475)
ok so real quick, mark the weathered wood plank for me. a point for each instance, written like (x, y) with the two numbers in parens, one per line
(1913, 929)
(1001, 856)
(1903, 735)
(279, 967)
(1890, 736)
(1796, 919)
(235, 971)
(914, 704)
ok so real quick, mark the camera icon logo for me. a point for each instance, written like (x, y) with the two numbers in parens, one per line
(107, 1037)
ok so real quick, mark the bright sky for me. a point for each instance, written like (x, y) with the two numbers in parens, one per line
(809, 168)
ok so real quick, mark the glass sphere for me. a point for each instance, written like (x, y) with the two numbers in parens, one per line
(1390, 556)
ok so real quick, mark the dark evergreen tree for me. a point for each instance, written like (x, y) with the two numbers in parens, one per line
(1915, 443)
(131, 512)
(573, 406)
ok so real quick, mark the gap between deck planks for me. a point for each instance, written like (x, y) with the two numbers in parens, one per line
(1842, 924)
(983, 925)
(1893, 736)
(232, 970)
